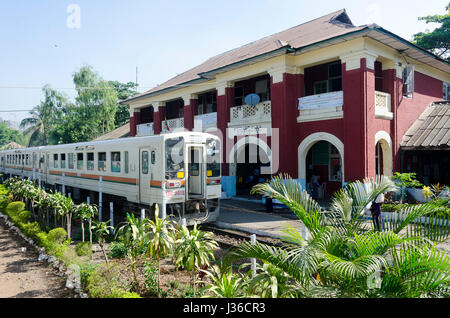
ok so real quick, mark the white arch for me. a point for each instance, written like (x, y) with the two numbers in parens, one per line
(306, 145)
(241, 143)
(386, 146)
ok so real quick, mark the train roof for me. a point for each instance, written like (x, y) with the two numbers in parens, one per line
(128, 140)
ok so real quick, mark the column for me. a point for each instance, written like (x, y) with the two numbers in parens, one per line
(190, 103)
(158, 116)
(358, 84)
(135, 120)
(392, 81)
(286, 86)
(225, 100)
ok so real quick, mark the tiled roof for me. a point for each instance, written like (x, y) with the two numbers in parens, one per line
(121, 132)
(12, 145)
(328, 26)
(431, 130)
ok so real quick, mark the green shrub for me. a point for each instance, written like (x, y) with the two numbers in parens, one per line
(130, 295)
(24, 216)
(15, 207)
(118, 250)
(84, 249)
(104, 282)
(57, 235)
(4, 203)
(31, 230)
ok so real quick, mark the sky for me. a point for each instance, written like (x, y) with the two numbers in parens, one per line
(46, 41)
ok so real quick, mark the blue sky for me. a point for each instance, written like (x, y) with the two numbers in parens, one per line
(162, 38)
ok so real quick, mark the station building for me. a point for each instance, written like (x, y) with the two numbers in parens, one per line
(335, 101)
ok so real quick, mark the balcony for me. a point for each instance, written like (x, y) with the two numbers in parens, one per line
(383, 106)
(145, 130)
(321, 107)
(248, 120)
(173, 124)
(205, 121)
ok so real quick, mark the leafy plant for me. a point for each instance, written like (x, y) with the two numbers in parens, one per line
(194, 249)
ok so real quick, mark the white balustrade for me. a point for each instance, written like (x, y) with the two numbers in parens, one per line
(145, 129)
(173, 124)
(321, 106)
(383, 105)
(246, 114)
(205, 121)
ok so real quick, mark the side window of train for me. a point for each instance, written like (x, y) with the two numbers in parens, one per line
(80, 160)
(126, 162)
(153, 157)
(102, 161)
(90, 161)
(71, 161)
(63, 160)
(115, 161)
(55, 160)
(145, 162)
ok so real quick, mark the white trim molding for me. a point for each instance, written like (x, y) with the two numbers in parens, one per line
(221, 87)
(386, 146)
(353, 60)
(277, 72)
(310, 141)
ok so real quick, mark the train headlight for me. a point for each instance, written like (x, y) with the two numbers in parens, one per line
(180, 175)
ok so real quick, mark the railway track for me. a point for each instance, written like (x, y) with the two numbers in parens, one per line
(232, 238)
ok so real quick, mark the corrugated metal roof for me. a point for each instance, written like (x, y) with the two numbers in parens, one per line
(431, 130)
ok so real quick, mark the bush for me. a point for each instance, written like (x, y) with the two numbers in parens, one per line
(118, 250)
(57, 235)
(15, 207)
(84, 249)
(104, 283)
(24, 216)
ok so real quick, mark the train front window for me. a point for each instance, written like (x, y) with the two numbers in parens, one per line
(213, 157)
(175, 158)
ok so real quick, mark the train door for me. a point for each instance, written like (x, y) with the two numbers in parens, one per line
(196, 172)
(144, 174)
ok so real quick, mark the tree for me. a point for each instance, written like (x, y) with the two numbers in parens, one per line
(194, 249)
(124, 91)
(134, 236)
(85, 212)
(97, 99)
(101, 232)
(161, 241)
(436, 41)
(43, 116)
(342, 252)
(8, 135)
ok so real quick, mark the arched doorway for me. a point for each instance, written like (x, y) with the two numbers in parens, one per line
(250, 162)
(383, 154)
(321, 164)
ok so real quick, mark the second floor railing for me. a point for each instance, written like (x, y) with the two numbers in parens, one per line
(246, 114)
(205, 121)
(145, 129)
(383, 105)
(172, 124)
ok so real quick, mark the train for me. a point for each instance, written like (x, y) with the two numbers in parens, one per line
(179, 171)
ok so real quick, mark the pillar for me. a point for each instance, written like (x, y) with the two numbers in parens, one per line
(225, 100)
(358, 85)
(286, 86)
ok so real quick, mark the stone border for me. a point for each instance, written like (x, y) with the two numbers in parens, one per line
(73, 280)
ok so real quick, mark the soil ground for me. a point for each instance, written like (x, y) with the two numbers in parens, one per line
(22, 275)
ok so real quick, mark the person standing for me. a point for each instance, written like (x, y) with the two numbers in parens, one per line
(375, 209)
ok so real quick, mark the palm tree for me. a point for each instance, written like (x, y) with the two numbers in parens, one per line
(343, 252)
(85, 212)
(101, 231)
(133, 234)
(194, 249)
(161, 240)
(38, 125)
